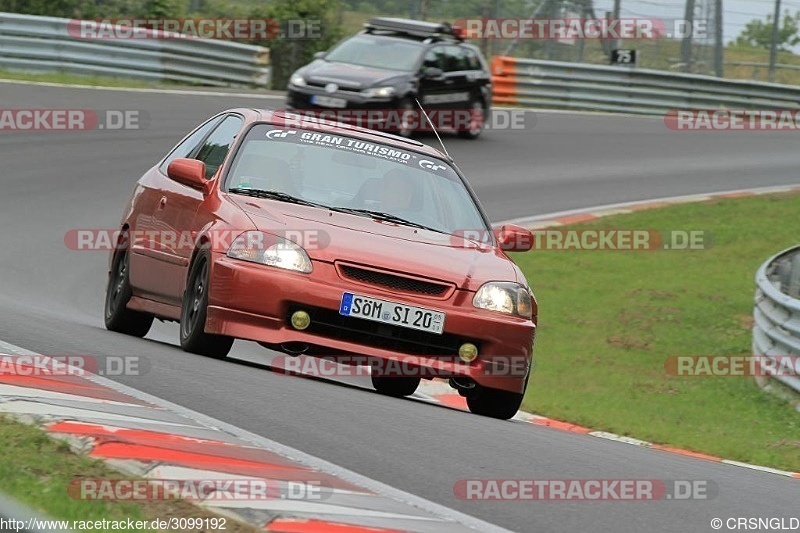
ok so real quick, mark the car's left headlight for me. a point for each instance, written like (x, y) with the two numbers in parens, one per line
(297, 80)
(504, 297)
(379, 92)
(270, 250)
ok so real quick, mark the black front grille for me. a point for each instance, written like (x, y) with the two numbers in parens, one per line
(331, 324)
(393, 281)
(340, 88)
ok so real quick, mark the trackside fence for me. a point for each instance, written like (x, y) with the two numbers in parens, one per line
(776, 330)
(574, 86)
(43, 44)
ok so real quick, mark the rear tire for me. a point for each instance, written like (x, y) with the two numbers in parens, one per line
(395, 386)
(477, 120)
(494, 403)
(194, 309)
(117, 316)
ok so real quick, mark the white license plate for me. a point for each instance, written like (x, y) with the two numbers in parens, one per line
(397, 314)
(328, 101)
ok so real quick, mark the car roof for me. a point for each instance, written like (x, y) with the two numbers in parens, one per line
(280, 118)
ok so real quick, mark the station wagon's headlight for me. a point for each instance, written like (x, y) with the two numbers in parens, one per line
(504, 297)
(379, 92)
(270, 250)
(297, 80)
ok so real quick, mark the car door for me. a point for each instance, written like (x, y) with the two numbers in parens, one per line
(433, 89)
(457, 70)
(479, 80)
(450, 91)
(175, 213)
(147, 253)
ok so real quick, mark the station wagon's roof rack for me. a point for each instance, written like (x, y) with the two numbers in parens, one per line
(414, 28)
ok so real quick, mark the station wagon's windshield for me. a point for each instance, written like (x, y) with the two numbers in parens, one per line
(377, 52)
(347, 173)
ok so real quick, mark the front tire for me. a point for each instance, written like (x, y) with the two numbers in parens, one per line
(116, 315)
(494, 403)
(395, 386)
(194, 309)
(408, 113)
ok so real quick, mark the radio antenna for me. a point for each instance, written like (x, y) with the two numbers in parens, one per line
(433, 128)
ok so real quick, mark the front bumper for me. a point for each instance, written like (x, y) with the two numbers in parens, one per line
(299, 98)
(254, 302)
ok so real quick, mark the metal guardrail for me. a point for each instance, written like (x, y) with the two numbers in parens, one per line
(43, 44)
(575, 86)
(776, 328)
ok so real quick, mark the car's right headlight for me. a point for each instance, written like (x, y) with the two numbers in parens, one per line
(297, 80)
(504, 297)
(379, 92)
(270, 250)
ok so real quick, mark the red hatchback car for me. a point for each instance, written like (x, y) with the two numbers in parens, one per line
(326, 239)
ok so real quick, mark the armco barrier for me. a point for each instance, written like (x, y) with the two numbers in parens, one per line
(776, 330)
(42, 44)
(576, 86)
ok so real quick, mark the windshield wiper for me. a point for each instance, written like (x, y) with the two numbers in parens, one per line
(273, 195)
(284, 197)
(386, 217)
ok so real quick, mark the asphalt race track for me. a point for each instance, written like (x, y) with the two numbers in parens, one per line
(51, 302)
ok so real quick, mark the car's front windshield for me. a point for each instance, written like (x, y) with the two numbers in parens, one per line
(377, 52)
(340, 172)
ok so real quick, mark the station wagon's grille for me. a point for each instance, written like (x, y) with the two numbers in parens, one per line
(393, 281)
(340, 88)
(331, 324)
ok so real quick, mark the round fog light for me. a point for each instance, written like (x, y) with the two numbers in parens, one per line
(468, 352)
(300, 320)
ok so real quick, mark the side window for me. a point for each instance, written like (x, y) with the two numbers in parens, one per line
(216, 147)
(190, 144)
(455, 59)
(435, 57)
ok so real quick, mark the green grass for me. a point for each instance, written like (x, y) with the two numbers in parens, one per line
(36, 470)
(609, 319)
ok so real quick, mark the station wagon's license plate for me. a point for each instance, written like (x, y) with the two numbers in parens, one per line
(407, 316)
(328, 101)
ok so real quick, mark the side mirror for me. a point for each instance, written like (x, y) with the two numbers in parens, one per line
(513, 238)
(319, 55)
(190, 172)
(433, 72)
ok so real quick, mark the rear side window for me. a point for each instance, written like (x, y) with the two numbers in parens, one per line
(190, 144)
(217, 145)
(473, 63)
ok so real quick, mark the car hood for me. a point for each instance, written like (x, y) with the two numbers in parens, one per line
(359, 239)
(347, 75)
